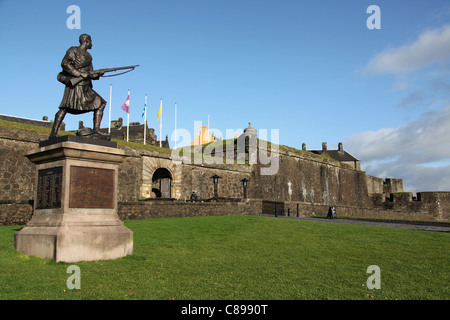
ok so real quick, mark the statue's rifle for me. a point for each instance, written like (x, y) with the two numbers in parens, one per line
(96, 73)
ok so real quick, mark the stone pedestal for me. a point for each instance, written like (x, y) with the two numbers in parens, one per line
(75, 206)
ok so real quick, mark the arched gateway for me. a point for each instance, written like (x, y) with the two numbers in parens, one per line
(162, 183)
(161, 178)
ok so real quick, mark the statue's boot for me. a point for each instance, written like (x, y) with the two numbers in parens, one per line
(98, 114)
(59, 117)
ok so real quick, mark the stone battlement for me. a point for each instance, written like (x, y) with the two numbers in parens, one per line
(434, 205)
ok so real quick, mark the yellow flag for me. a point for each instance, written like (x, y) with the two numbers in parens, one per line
(160, 109)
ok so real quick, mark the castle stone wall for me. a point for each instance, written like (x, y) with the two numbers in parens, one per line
(307, 178)
(198, 178)
(311, 183)
(17, 175)
(374, 184)
(16, 171)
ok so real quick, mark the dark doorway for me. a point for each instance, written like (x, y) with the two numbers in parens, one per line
(162, 183)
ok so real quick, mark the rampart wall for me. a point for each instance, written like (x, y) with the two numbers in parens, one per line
(304, 177)
(305, 183)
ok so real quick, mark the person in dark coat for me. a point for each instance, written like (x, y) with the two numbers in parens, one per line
(79, 98)
(194, 196)
(332, 213)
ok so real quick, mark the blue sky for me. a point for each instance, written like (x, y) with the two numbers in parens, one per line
(311, 69)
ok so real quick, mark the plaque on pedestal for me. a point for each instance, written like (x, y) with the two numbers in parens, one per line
(75, 214)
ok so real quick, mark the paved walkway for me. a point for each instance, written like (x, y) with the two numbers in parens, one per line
(406, 225)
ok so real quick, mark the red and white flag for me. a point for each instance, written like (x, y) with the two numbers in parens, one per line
(126, 105)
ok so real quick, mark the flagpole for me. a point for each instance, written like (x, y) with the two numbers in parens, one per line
(145, 119)
(160, 127)
(175, 125)
(110, 101)
(128, 115)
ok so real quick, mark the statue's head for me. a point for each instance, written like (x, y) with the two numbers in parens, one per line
(85, 38)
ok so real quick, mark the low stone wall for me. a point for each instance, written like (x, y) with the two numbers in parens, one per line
(427, 205)
(20, 212)
(416, 211)
(164, 208)
(167, 208)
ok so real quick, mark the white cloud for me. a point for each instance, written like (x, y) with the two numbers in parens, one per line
(430, 47)
(418, 152)
(415, 178)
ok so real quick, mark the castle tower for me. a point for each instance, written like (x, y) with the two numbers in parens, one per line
(204, 136)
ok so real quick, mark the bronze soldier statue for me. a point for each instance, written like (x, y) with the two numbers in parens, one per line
(79, 98)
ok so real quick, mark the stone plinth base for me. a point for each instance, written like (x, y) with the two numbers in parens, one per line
(75, 243)
(75, 208)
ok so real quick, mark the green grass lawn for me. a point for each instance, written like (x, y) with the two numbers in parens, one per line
(243, 257)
